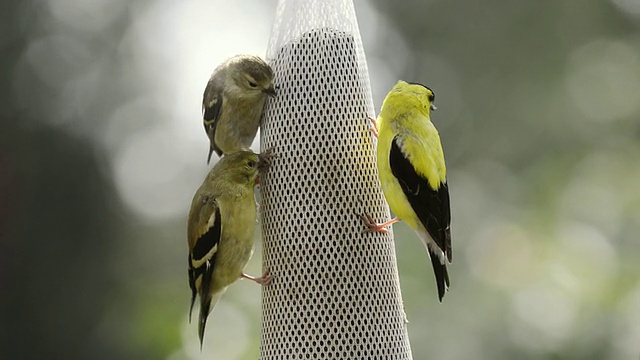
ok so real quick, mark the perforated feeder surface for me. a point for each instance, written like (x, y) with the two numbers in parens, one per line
(336, 292)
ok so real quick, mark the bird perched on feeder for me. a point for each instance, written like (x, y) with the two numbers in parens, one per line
(221, 227)
(233, 103)
(413, 174)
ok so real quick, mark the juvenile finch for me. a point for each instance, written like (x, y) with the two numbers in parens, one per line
(233, 103)
(220, 229)
(413, 174)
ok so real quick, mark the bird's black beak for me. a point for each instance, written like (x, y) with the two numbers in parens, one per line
(271, 91)
(433, 107)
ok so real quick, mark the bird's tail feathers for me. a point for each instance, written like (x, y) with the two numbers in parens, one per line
(438, 261)
(433, 248)
(205, 299)
(192, 286)
(210, 153)
(440, 271)
(207, 303)
(193, 300)
(447, 245)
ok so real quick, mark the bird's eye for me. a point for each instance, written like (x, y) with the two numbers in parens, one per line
(252, 84)
(251, 163)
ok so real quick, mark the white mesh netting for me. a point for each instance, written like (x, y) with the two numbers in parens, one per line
(336, 292)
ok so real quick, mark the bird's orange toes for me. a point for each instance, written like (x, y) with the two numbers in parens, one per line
(372, 226)
(265, 279)
(374, 127)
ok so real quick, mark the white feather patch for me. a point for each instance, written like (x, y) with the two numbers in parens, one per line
(431, 245)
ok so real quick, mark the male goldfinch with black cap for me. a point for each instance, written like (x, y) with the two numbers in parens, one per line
(413, 174)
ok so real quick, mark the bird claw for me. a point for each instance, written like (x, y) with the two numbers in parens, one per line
(264, 280)
(372, 226)
(374, 127)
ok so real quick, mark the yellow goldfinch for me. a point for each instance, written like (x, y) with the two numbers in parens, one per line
(233, 103)
(413, 174)
(220, 229)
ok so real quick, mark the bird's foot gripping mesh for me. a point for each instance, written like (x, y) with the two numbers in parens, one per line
(336, 292)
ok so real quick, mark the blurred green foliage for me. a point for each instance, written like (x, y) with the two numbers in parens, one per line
(539, 108)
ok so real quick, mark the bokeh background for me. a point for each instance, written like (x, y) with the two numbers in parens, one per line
(101, 149)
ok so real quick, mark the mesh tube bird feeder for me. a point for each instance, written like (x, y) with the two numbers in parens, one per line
(336, 291)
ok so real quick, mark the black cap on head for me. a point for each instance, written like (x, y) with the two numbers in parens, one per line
(433, 95)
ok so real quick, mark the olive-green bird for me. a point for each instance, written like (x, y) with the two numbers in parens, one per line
(221, 227)
(233, 103)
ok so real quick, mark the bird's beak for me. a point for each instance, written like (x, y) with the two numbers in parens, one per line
(264, 159)
(433, 107)
(271, 91)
